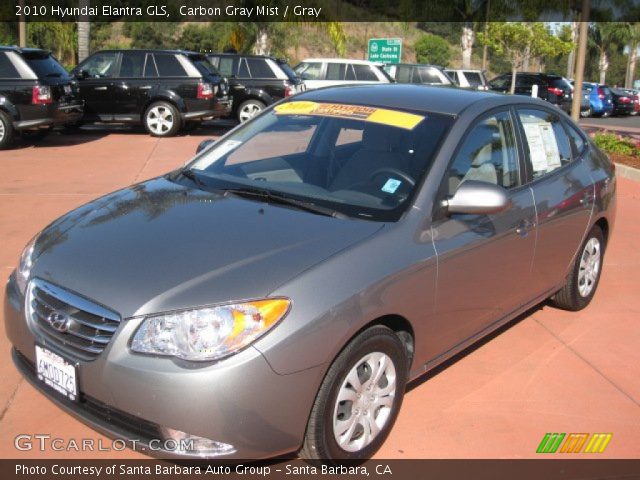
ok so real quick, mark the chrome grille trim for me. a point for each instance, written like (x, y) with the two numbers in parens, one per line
(89, 326)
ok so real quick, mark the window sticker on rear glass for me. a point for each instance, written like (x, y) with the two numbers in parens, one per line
(218, 151)
(391, 185)
(393, 118)
(543, 146)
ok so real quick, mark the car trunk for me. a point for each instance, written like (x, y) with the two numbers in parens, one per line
(53, 75)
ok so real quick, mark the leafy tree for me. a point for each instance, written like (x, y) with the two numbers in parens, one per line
(205, 37)
(432, 49)
(516, 41)
(605, 38)
(151, 34)
(59, 37)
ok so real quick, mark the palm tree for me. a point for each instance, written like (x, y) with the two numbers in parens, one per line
(605, 36)
(633, 39)
(84, 32)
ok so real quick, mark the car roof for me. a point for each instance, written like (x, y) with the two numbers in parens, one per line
(246, 55)
(14, 48)
(151, 50)
(341, 60)
(415, 65)
(424, 98)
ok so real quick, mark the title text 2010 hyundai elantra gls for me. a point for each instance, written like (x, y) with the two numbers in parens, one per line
(277, 293)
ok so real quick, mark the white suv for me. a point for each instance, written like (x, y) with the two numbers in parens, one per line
(325, 72)
(469, 78)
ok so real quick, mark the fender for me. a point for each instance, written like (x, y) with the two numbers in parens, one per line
(257, 94)
(7, 106)
(158, 94)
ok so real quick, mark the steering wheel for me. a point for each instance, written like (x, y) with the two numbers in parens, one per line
(393, 172)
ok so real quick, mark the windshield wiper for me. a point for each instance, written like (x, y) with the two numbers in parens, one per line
(274, 197)
(185, 172)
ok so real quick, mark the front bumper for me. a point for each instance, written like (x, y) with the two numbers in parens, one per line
(239, 401)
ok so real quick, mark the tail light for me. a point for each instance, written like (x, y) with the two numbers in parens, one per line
(625, 100)
(41, 95)
(556, 91)
(289, 90)
(205, 91)
(600, 93)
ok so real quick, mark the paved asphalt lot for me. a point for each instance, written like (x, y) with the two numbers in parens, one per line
(549, 371)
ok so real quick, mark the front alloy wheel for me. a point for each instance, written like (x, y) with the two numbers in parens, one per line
(249, 109)
(359, 398)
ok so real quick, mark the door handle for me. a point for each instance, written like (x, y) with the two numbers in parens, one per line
(524, 227)
(587, 199)
(99, 88)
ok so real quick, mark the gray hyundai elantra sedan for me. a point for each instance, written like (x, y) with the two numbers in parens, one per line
(277, 293)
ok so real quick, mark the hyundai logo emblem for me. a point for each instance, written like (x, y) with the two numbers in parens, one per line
(59, 321)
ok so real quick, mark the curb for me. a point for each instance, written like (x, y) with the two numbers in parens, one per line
(628, 172)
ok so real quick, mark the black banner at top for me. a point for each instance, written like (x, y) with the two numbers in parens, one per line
(316, 10)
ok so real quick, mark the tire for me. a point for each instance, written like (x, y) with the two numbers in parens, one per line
(162, 119)
(249, 109)
(7, 132)
(353, 364)
(583, 280)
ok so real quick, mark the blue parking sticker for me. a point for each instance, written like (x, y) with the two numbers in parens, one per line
(391, 185)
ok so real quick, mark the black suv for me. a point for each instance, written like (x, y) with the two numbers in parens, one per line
(554, 89)
(165, 90)
(36, 93)
(256, 81)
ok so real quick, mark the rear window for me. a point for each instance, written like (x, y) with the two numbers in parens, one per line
(7, 70)
(561, 83)
(474, 78)
(169, 66)
(203, 65)
(288, 71)
(44, 65)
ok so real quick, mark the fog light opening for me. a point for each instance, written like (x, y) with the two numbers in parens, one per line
(184, 443)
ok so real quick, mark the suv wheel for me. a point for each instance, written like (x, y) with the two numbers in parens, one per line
(249, 109)
(162, 119)
(584, 277)
(359, 399)
(6, 131)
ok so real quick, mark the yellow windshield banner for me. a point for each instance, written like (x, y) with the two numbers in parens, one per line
(393, 118)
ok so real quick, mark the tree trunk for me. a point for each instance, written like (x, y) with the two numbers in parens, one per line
(527, 58)
(571, 62)
(633, 58)
(467, 39)
(514, 72)
(262, 42)
(84, 31)
(603, 66)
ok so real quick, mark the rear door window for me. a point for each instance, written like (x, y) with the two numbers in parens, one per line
(7, 70)
(226, 66)
(473, 78)
(132, 64)
(259, 68)
(546, 141)
(336, 71)
(44, 65)
(169, 66)
(364, 73)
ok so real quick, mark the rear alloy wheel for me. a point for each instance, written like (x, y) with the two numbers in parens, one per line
(162, 120)
(359, 399)
(6, 131)
(249, 109)
(584, 277)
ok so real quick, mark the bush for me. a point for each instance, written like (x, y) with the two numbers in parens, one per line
(612, 143)
(432, 49)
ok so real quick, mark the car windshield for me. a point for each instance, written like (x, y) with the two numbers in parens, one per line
(44, 65)
(359, 161)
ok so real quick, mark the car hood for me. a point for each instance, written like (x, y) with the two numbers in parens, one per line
(159, 246)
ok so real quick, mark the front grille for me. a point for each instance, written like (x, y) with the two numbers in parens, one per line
(77, 326)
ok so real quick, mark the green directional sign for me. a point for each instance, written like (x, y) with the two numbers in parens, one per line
(385, 50)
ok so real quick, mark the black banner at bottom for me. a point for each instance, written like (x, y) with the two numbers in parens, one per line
(543, 469)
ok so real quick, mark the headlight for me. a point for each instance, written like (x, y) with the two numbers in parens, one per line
(208, 333)
(24, 267)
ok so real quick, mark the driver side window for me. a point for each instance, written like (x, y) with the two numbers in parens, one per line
(101, 65)
(488, 154)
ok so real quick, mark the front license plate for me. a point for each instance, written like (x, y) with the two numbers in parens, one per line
(57, 373)
(67, 89)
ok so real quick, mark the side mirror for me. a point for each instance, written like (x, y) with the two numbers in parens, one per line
(204, 144)
(478, 198)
